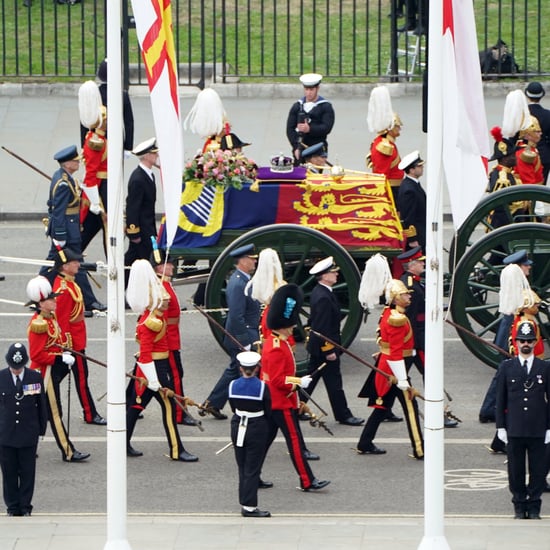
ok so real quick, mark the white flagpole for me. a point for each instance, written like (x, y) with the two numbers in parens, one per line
(116, 353)
(434, 444)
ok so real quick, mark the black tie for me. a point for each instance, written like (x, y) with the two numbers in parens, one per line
(18, 386)
(525, 367)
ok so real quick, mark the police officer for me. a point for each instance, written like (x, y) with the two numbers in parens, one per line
(250, 402)
(523, 422)
(23, 418)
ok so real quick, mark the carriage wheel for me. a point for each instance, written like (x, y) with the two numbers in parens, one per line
(477, 224)
(298, 248)
(476, 283)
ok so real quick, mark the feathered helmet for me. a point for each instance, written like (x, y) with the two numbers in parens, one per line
(144, 291)
(530, 299)
(517, 118)
(503, 146)
(38, 289)
(267, 278)
(92, 112)
(513, 288)
(375, 278)
(380, 115)
(207, 117)
(394, 289)
(284, 311)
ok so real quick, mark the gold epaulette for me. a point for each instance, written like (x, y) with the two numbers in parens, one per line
(154, 323)
(528, 156)
(132, 229)
(397, 319)
(410, 281)
(410, 232)
(38, 326)
(96, 143)
(385, 147)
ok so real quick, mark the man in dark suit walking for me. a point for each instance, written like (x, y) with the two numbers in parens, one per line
(523, 421)
(535, 92)
(325, 317)
(23, 418)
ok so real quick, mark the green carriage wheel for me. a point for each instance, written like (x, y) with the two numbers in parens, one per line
(298, 248)
(476, 284)
(477, 224)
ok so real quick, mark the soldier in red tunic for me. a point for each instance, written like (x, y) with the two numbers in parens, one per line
(47, 357)
(279, 373)
(70, 316)
(528, 164)
(147, 297)
(396, 342)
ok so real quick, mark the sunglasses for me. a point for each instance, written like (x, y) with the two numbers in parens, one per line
(524, 341)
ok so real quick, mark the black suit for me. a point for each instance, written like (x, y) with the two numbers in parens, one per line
(140, 216)
(411, 204)
(325, 318)
(543, 116)
(523, 409)
(23, 418)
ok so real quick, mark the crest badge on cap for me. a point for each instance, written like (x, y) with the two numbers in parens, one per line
(526, 331)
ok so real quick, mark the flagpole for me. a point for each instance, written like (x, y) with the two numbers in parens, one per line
(434, 445)
(116, 352)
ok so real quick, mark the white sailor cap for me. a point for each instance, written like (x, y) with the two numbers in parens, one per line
(324, 266)
(147, 146)
(410, 161)
(310, 80)
(248, 358)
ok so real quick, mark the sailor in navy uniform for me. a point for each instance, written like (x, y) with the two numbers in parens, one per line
(310, 119)
(523, 421)
(23, 418)
(250, 402)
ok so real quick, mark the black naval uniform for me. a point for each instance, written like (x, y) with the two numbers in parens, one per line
(416, 312)
(23, 418)
(250, 402)
(140, 215)
(411, 204)
(523, 409)
(325, 316)
(321, 121)
(543, 116)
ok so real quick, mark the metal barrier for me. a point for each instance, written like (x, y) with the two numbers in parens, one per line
(231, 40)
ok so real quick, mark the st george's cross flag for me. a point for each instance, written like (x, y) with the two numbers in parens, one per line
(465, 147)
(154, 31)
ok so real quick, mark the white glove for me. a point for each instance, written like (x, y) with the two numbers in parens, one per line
(248, 347)
(547, 437)
(150, 373)
(400, 372)
(93, 196)
(59, 243)
(67, 358)
(128, 154)
(305, 381)
(503, 436)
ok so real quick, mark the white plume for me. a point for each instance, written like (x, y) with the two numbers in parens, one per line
(144, 288)
(267, 278)
(513, 285)
(376, 276)
(206, 117)
(89, 105)
(516, 114)
(380, 113)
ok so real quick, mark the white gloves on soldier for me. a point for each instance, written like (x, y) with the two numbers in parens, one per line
(67, 358)
(93, 196)
(547, 437)
(503, 436)
(305, 381)
(59, 243)
(400, 372)
(150, 372)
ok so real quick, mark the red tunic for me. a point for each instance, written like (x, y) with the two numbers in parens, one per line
(278, 363)
(528, 165)
(151, 336)
(385, 159)
(94, 154)
(44, 336)
(172, 316)
(70, 310)
(395, 341)
(265, 332)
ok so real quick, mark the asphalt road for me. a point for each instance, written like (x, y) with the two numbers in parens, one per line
(391, 484)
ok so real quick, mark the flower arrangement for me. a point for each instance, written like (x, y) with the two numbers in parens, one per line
(220, 168)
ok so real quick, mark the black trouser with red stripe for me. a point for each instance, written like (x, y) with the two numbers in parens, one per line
(176, 369)
(80, 372)
(287, 421)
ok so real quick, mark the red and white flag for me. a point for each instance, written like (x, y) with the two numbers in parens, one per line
(154, 30)
(465, 147)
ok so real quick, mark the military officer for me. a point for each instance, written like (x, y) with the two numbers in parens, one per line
(528, 164)
(534, 93)
(523, 422)
(23, 418)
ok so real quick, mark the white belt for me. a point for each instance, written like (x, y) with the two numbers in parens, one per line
(245, 415)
